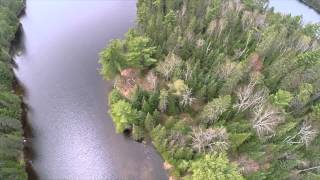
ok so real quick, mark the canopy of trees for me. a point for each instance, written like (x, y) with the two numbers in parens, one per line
(12, 164)
(236, 82)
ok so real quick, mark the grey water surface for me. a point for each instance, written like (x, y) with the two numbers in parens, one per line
(73, 136)
(295, 8)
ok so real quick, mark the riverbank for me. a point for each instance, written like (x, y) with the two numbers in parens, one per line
(314, 4)
(12, 159)
(224, 93)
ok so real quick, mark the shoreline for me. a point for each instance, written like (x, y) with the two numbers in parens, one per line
(310, 6)
(17, 88)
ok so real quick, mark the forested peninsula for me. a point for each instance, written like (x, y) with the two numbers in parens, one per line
(226, 89)
(12, 165)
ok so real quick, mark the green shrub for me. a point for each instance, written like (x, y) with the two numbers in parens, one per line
(216, 166)
(123, 115)
(137, 133)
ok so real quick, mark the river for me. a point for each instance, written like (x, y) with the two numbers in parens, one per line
(73, 136)
(295, 8)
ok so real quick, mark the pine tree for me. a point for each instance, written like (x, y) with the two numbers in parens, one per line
(146, 107)
(173, 106)
(214, 109)
(137, 133)
(149, 122)
(137, 98)
(154, 99)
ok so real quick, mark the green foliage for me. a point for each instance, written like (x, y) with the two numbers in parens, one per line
(315, 115)
(312, 30)
(214, 109)
(149, 122)
(309, 58)
(159, 135)
(146, 107)
(6, 76)
(305, 92)
(135, 51)
(10, 105)
(123, 115)
(137, 98)
(139, 52)
(12, 170)
(11, 148)
(137, 133)
(10, 125)
(170, 18)
(237, 139)
(282, 98)
(114, 96)
(173, 105)
(156, 115)
(216, 166)
(213, 10)
(112, 59)
(154, 100)
(311, 176)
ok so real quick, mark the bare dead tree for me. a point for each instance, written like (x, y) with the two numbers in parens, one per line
(212, 139)
(167, 67)
(188, 72)
(266, 119)
(226, 70)
(152, 79)
(163, 100)
(305, 135)
(177, 138)
(309, 169)
(248, 97)
(187, 99)
(200, 43)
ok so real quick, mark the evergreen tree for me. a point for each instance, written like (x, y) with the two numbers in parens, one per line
(214, 109)
(123, 115)
(216, 166)
(146, 107)
(137, 133)
(112, 59)
(282, 98)
(154, 100)
(149, 122)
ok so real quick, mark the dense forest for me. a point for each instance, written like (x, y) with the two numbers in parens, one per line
(315, 4)
(226, 89)
(12, 164)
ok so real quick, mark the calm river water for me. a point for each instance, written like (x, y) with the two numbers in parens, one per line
(72, 135)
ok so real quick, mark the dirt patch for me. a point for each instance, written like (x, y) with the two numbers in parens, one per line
(247, 165)
(132, 78)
